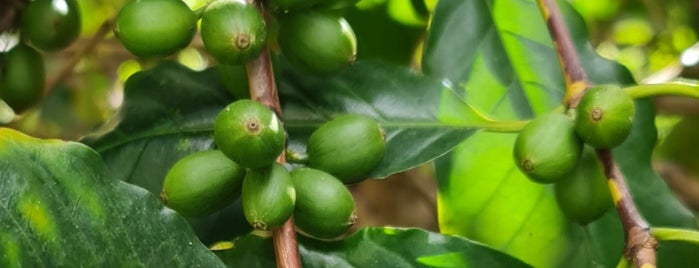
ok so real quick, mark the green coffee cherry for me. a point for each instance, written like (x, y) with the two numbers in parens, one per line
(324, 207)
(22, 77)
(249, 133)
(233, 31)
(202, 183)
(348, 147)
(51, 24)
(268, 197)
(582, 194)
(235, 79)
(154, 28)
(547, 148)
(317, 42)
(605, 116)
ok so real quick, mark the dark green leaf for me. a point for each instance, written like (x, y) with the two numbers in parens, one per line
(374, 247)
(505, 65)
(59, 208)
(169, 110)
(404, 103)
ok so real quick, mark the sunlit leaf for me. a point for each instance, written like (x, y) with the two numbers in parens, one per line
(510, 70)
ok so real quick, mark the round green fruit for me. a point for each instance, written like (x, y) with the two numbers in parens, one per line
(22, 77)
(547, 148)
(287, 5)
(605, 116)
(233, 31)
(348, 147)
(202, 183)
(268, 197)
(155, 28)
(317, 42)
(50, 24)
(582, 194)
(235, 79)
(249, 133)
(324, 207)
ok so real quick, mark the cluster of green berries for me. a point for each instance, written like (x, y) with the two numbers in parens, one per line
(46, 25)
(311, 35)
(250, 137)
(557, 148)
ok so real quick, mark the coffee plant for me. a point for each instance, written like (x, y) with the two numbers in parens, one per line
(540, 147)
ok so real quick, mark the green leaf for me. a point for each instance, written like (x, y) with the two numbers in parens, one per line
(374, 247)
(169, 110)
(404, 103)
(60, 208)
(510, 70)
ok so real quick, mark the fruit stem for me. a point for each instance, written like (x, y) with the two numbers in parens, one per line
(684, 87)
(623, 263)
(573, 72)
(263, 89)
(295, 157)
(640, 245)
(501, 126)
(676, 234)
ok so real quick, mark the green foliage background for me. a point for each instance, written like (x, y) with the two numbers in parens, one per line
(479, 60)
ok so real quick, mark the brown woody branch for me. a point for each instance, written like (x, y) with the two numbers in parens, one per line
(264, 90)
(574, 74)
(640, 245)
(67, 69)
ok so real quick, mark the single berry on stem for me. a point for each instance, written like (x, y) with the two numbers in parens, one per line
(547, 148)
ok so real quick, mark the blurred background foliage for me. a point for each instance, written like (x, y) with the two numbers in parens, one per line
(655, 39)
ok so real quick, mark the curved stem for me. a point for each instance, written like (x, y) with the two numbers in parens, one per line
(676, 234)
(674, 88)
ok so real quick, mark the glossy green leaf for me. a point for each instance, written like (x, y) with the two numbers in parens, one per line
(169, 110)
(404, 103)
(60, 208)
(374, 247)
(510, 70)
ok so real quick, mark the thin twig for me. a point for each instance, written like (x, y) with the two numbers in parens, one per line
(68, 67)
(263, 89)
(640, 245)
